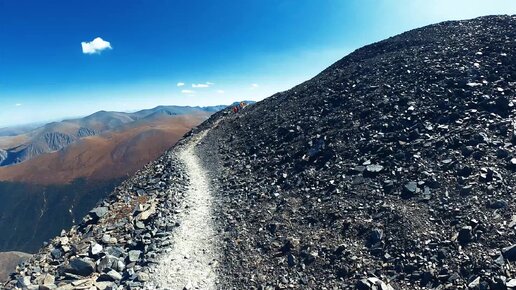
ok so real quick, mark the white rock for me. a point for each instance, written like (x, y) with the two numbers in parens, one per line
(96, 249)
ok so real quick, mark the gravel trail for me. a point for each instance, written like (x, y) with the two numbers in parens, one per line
(191, 261)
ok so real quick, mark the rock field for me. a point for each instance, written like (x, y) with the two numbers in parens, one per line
(392, 169)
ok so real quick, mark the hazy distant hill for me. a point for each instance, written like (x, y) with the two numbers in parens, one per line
(18, 130)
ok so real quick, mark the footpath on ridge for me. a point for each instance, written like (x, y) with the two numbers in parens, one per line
(191, 260)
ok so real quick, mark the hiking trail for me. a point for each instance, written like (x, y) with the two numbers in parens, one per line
(191, 261)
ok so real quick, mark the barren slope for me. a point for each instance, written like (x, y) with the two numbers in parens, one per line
(395, 164)
(9, 261)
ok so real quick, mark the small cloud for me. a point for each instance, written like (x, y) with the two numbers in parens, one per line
(205, 85)
(220, 91)
(180, 84)
(254, 85)
(95, 46)
(18, 105)
(200, 86)
(188, 92)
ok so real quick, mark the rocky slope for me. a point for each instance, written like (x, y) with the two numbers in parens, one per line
(117, 240)
(392, 169)
(395, 164)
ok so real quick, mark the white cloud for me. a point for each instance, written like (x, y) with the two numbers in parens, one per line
(180, 84)
(200, 86)
(220, 91)
(95, 46)
(18, 105)
(188, 92)
(254, 85)
(205, 85)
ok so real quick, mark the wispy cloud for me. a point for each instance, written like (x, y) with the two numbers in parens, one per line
(18, 105)
(254, 86)
(205, 85)
(200, 86)
(220, 91)
(188, 92)
(95, 46)
(180, 84)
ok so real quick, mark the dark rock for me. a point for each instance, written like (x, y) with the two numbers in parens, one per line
(375, 236)
(465, 235)
(56, 253)
(81, 266)
(342, 272)
(509, 253)
(512, 164)
(465, 171)
(291, 260)
(110, 276)
(363, 285)
(497, 204)
(23, 282)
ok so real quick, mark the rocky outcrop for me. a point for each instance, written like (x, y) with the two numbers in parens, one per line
(56, 141)
(85, 132)
(392, 168)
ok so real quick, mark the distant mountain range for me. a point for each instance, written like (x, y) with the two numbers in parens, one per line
(21, 143)
(111, 154)
(18, 130)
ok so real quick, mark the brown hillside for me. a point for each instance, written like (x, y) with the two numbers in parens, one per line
(108, 156)
(9, 261)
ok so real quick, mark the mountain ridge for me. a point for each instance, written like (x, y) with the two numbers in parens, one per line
(392, 169)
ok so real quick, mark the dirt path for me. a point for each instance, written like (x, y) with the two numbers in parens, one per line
(190, 263)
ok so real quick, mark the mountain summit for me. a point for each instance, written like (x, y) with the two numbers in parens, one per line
(392, 169)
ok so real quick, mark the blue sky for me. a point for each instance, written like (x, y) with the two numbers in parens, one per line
(236, 50)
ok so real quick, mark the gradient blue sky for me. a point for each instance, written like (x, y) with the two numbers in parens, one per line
(247, 49)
